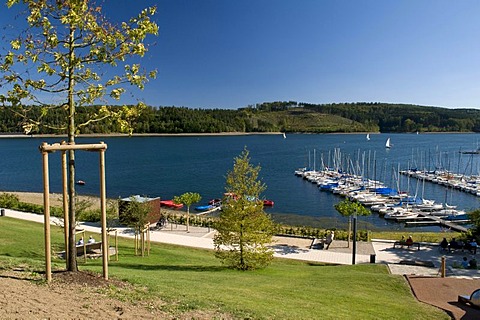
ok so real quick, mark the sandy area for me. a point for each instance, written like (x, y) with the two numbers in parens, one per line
(56, 199)
(78, 295)
(22, 299)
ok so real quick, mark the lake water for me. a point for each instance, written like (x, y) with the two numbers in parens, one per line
(168, 166)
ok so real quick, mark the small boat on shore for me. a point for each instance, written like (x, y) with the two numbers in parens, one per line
(268, 203)
(170, 204)
(205, 208)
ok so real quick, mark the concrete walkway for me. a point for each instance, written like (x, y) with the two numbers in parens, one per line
(384, 252)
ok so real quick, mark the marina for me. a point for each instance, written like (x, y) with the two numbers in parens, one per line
(389, 203)
(465, 183)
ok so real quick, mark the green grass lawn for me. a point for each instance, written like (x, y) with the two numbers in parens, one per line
(192, 279)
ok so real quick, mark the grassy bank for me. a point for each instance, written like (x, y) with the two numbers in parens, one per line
(192, 279)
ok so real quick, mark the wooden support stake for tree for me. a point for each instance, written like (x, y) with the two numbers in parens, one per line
(443, 267)
(116, 246)
(65, 206)
(84, 243)
(46, 214)
(103, 208)
(142, 244)
(45, 148)
(136, 240)
(148, 241)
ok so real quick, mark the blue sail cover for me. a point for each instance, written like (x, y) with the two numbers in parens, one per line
(386, 191)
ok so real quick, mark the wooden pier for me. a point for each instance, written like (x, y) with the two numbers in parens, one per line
(427, 220)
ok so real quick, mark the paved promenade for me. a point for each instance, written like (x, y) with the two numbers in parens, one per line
(384, 252)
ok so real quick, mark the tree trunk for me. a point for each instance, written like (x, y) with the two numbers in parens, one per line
(72, 249)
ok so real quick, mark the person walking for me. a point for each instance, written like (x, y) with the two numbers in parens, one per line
(329, 239)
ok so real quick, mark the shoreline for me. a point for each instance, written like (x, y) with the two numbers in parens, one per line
(126, 135)
(198, 134)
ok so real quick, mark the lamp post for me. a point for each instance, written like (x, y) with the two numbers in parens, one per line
(354, 249)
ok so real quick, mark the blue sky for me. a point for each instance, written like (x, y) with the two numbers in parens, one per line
(230, 54)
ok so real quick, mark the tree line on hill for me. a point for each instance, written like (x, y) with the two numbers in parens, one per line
(284, 116)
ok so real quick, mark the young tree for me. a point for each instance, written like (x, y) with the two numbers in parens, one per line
(135, 214)
(244, 229)
(187, 199)
(348, 208)
(69, 57)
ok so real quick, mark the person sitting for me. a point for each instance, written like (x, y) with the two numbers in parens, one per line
(329, 239)
(403, 241)
(454, 244)
(409, 241)
(80, 242)
(91, 240)
(444, 244)
(161, 222)
(464, 263)
(472, 264)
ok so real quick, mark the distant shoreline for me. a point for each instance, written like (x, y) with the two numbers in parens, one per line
(114, 135)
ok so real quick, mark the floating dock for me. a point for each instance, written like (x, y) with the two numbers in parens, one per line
(429, 220)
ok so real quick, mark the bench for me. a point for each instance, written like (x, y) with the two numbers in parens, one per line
(404, 244)
(317, 244)
(89, 247)
(419, 263)
(472, 300)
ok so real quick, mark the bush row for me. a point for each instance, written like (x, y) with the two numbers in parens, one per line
(280, 230)
(11, 201)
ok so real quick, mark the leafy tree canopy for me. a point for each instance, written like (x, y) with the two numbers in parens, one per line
(349, 208)
(188, 199)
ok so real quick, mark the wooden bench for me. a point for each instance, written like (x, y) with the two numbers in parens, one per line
(317, 243)
(89, 247)
(404, 244)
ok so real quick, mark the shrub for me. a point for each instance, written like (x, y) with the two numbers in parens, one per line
(8, 200)
(89, 215)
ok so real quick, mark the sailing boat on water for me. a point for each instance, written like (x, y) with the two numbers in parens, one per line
(368, 136)
(284, 135)
(388, 145)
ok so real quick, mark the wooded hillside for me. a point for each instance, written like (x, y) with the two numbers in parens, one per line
(285, 116)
